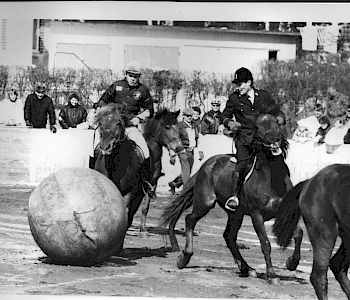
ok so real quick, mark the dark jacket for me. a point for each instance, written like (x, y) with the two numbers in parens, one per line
(71, 115)
(36, 111)
(322, 132)
(247, 113)
(210, 122)
(184, 136)
(135, 97)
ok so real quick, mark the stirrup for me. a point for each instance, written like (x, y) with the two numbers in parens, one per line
(233, 159)
(235, 199)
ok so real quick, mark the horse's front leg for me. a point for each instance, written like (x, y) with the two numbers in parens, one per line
(144, 211)
(259, 226)
(234, 223)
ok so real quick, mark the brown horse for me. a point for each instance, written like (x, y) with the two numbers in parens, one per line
(324, 203)
(260, 197)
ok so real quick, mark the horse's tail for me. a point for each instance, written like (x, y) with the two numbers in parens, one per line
(288, 216)
(173, 210)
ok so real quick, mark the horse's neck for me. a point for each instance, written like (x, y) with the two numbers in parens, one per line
(154, 146)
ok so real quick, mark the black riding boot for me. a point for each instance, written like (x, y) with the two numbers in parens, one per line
(232, 202)
(146, 174)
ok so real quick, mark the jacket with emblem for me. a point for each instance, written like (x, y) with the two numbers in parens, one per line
(246, 113)
(184, 135)
(36, 111)
(135, 98)
(71, 116)
(210, 122)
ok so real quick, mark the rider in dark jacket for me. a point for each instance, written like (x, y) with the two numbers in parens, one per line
(242, 109)
(73, 113)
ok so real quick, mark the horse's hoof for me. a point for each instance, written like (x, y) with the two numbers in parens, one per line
(253, 273)
(183, 260)
(291, 264)
(143, 234)
(274, 281)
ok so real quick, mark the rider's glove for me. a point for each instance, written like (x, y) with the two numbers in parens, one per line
(280, 120)
(233, 125)
(135, 121)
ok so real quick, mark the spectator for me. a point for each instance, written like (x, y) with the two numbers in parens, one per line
(38, 106)
(325, 126)
(11, 110)
(335, 136)
(347, 118)
(196, 117)
(302, 134)
(73, 113)
(336, 106)
(211, 120)
(313, 121)
(189, 135)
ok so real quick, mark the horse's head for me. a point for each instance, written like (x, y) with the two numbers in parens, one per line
(163, 127)
(111, 126)
(270, 135)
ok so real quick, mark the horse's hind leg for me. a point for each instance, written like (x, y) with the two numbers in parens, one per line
(340, 264)
(173, 240)
(233, 224)
(293, 261)
(200, 208)
(323, 240)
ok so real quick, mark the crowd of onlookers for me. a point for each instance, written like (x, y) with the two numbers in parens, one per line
(319, 128)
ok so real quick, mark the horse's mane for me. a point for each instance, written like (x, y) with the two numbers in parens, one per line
(113, 108)
(163, 118)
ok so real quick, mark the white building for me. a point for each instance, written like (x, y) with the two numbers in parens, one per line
(101, 45)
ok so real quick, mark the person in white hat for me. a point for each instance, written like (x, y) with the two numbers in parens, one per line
(211, 120)
(137, 99)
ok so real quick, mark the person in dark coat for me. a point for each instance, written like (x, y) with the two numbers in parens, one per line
(242, 109)
(189, 135)
(38, 106)
(73, 113)
(211, 119)
(196, 117)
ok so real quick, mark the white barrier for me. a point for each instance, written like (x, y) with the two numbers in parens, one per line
(29, 155)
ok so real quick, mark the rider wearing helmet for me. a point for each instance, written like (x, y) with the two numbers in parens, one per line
(137, 100)
(211, 119)
(244, 106)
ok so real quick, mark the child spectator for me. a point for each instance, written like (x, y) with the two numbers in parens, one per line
(302, 134)
(325, 126)
(313, 121)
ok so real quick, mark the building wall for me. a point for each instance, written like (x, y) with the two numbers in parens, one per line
(165, 47)
(16, 41)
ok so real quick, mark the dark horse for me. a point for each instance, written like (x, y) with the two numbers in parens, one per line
(260, 197)
(159, 131)
(324, 203)
(122, 161)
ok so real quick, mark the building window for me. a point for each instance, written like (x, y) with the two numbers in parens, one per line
(273, 55)
(38, 34)
(3, 33)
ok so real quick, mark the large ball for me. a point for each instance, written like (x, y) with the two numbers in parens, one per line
(77, 216)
